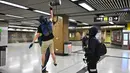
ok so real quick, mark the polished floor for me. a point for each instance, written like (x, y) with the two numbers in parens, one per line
(20, 59)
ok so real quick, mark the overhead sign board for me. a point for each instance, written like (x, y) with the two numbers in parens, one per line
(106, 19)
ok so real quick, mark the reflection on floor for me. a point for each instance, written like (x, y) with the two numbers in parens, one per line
(113, 46)
(20, 59)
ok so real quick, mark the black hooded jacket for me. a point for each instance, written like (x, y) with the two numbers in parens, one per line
(93, 42)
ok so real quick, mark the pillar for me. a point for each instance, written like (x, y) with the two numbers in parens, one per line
(61, 33)
(128, 26)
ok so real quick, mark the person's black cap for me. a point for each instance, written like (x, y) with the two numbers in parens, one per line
(93, 31)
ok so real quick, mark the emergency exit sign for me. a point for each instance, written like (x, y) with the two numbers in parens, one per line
(0, 30)
(106, 19)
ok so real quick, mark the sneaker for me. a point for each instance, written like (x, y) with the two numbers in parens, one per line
(44, 71)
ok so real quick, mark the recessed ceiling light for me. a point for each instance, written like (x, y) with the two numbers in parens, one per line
(13, 16)
(86, 6)
(12, 4)
(38, 11)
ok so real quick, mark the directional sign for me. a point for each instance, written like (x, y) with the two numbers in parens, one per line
(115, 18)
(106, 19)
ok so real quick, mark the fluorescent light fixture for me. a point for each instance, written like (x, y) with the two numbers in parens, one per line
(38, 11)
(31, 30)
(24, 22)
(86, 6)
(74, 0)
(25, 30)
(85, 23)
(22, 27)
(126, 30)
(72, 20)
(120, 26)
(111, 22)
(34, 25)
(86, 27)
(115, 26)
(12, 4)
(15, 23)
(2, 19)
(14, 16)
(18, 29)
(11, 29)
(71, 27)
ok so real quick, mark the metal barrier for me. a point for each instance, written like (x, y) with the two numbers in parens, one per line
(2, 55)
(67, 48)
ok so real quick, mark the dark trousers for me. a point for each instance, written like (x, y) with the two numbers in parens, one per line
(92, 64)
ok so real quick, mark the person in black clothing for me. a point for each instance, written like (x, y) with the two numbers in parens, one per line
(85, 42)
(92, 58)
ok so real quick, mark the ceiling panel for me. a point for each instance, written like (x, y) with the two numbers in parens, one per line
(108, 4)
(33, 15)
(41, 6)
(71, 10)
(16, 11)
(86, 19)
(66, 4)
(4, 7)
(5, 17)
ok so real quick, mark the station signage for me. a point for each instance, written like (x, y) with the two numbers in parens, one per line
(106, 19)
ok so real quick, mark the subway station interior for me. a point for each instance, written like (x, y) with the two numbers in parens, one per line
(73, 19)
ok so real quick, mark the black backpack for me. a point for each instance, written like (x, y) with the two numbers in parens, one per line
(101, 49)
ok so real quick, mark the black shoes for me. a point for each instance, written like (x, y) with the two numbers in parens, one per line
(44, 70)
(55, 64)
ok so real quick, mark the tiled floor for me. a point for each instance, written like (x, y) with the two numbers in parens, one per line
(20, 59)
